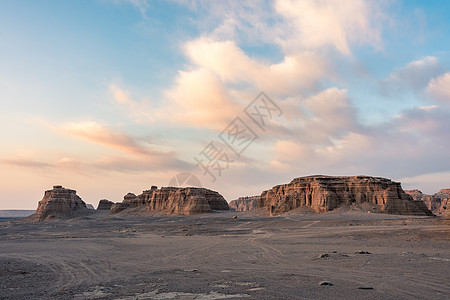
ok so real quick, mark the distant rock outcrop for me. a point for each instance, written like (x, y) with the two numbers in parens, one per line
(325, 193)
(437, 203)
(174, 200)
(244, 203)
(104, 204)
(60, 203)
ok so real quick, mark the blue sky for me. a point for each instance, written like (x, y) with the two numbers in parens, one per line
(110, 97)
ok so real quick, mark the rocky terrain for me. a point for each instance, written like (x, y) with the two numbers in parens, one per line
(437, 203)
(15, 213)
(173, 200)
(244, 203)
(333, 255)
(60, 202)
(326, 193)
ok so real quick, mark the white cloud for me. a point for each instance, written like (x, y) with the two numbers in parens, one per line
(315, 24)
(296, 26)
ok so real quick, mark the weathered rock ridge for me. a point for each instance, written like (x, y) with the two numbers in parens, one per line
(60, 202)
(104, 204)
(437, 203)
(174, 200)
(244, 203)
(325, 193)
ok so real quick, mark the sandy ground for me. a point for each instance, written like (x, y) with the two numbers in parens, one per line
(216, 256)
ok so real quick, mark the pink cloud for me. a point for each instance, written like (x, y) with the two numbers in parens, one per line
(231, 64)
(199, 99)
(96, 133)
(439, 88)
(138, 111)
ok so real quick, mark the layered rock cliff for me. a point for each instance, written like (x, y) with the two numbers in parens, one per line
(174, 200)
(325, 193)
(244, 203)
(437, 203)
(60, 202)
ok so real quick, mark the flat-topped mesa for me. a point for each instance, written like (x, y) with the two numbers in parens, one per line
(60, 202)
(325, 193)
(174, 200)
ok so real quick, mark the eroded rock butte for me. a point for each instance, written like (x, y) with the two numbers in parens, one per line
(326, 193)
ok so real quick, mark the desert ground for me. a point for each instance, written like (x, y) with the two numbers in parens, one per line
(299, 255)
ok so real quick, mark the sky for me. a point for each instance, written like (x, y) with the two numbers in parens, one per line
(113, 96)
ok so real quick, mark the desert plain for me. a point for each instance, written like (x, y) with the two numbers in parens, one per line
(347, 253)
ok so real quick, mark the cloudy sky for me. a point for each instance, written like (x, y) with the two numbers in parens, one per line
(109, 97)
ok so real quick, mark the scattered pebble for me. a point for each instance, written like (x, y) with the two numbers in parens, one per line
(326, 283)
(323, 255)
(234, 217)
(363, 252)
(365, 287)
(187, 234)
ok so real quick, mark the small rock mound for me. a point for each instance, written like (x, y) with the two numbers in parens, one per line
(174, 200)
(60, 203)
(104, 204)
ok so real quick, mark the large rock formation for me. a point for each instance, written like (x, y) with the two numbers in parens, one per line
(60, 203)
(104, 204)
(174, 200)
(437, 203)
(244, 203)
(325, 193)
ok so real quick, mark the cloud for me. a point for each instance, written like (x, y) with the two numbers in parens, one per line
(199, 99)
(137, 156)
(138, 111)
(328, 138)
(315, 24)
(231, 64)
(136, 165)
(141, 5)
(96, 133)
(413, 77)
(296, 26)
(249, 22)
(26, 163)
(430, 183)
(318, 119)
(332, 112)
(439, 88)
(63, 165)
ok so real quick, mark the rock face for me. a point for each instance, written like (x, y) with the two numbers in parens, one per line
(174, 200)
(437, 203)
(60, 203)
(244, 203)
(325, 193)
(104, 204)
